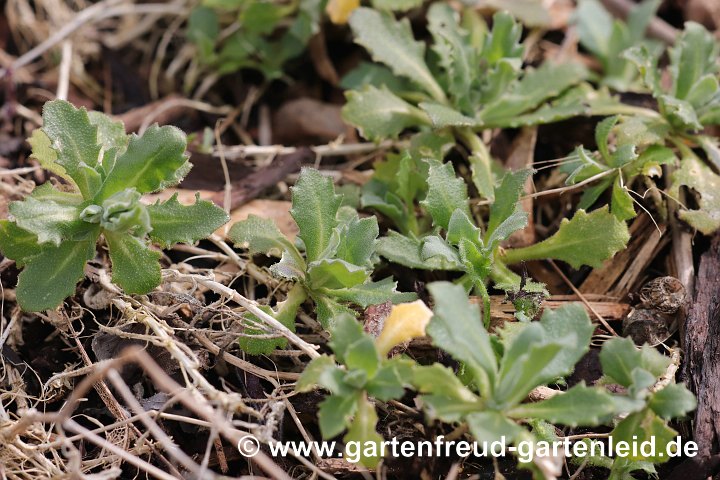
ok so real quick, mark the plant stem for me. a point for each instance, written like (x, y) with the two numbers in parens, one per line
(482, 292)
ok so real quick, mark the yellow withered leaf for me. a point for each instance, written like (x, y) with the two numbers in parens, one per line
(405, 322)
(339, 10)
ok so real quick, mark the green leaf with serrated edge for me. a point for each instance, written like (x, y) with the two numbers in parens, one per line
(362, 434)
(618, 358)
(570, 322)
(357, 240)
(457, 328)
(391, 42)
(673, 401)
(367, 73)
(586, 239)
(370, 293)
(460, 226)
(43, 152)
(578, 406)
(407, 251)
(429, 145)
(653, 361)
(433, 246)
(288, 267)
(51, 276)
(477, 261)
(379, 114)
(285, 314)
(456, 55)
(47, 192)
(111, 136)
(261, 235)
(135, 266)
(516, 221)
(443, 116)
(594, 27)
(639, 18)
(696, 175)
(602, 132)
(504, 40)
(18, 244)
(482, 176)
(252, 344)
(345, 332)
(174, 223)
(642, 427)
(444, 395)
(314, 371)
(547, 113)
(679, 113)
(362, 355)
(522, 367)
(376, 195)
(390, 380)
(446, 193)
(645, 60)
(334, 273)
(75, 140)
(536, 87)
(694, 55)
(621, 204)
(703, 91)
(411, 179)
(492, 426)
(329, 310)
(52, 222)
(506, 198)
(314, 208)
(149, 163)
(335, 413)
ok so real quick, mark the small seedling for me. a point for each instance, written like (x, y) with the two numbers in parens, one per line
(335, 259)
(104, 174)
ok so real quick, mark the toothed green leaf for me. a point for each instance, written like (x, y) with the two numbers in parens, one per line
(151, 162)
(379, 114)
(75, 140)
(335, 273)
(314, 208)
(335, 413)
(18, 244)
(578, 406)
(370, 293)
(135, 266)
(446, 193)
(51, 276)
(261, 236)
(673, 401)
(51, 221)
(457, 328)
(696, 175)
(174, 223)
(391, 42)
(444, 395)
(407, 251)
(586, 239)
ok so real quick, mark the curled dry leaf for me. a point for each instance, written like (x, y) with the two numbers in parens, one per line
(339, 10)
(406, 321)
